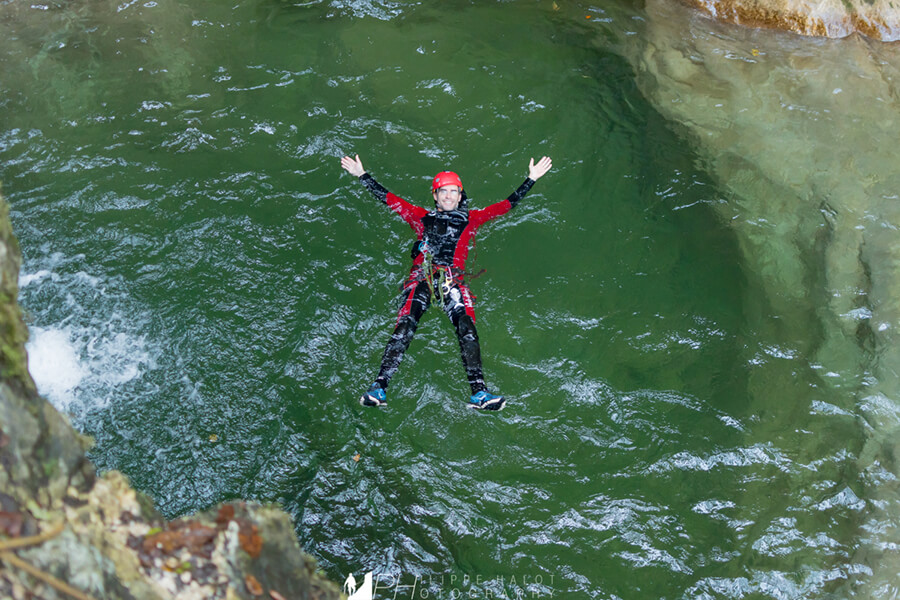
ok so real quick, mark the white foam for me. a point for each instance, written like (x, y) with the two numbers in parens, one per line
(90, 280)
(117, 358)
(86, 346)
(27, 279)
(54, 365)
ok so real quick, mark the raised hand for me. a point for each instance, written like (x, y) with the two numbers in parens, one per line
(538, 170)
(353, 166)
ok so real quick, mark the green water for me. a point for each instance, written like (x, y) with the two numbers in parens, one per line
(209, 293)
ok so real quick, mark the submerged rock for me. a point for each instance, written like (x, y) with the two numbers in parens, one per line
(67, 532)
(796, 132)
(878, 19)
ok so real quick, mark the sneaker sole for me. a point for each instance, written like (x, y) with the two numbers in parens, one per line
(368, 400)
(495, 404)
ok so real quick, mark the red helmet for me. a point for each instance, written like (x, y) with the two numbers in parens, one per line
(445, 178)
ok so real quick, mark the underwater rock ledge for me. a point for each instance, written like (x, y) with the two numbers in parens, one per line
(66, 532)
(877, 19)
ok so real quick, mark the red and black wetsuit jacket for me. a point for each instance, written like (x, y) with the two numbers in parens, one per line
(445, 235)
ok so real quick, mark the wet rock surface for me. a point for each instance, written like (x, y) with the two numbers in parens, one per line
(877, 19)
(67, 532)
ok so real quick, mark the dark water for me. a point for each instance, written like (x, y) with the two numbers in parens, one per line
(209, 293)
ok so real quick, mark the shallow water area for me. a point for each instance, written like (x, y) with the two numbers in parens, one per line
(209, 293)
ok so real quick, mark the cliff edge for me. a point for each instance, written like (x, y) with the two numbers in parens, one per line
(67, 532)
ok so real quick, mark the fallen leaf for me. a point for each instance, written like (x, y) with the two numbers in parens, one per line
(555, 6)
(38, 512)
(226, 513)
(214, 438)
(11, 523)
(196, 538)
(754, 52)
(250, 540)
(356, 457)
(276, 596)
(253, 585)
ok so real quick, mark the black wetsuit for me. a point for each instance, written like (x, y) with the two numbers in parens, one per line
(439, 259)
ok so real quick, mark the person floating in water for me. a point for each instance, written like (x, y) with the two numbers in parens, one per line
(439, 257)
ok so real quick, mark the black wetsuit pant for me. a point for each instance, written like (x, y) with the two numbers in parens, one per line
(417, 301)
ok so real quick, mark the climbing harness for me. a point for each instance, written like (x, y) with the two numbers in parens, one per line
(436, 274)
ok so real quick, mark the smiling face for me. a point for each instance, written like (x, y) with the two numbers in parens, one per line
(447, 197)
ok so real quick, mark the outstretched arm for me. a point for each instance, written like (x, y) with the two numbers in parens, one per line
(535, 171)
(408, 212)
(354, 166)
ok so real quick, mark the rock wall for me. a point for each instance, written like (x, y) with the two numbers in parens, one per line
(794, 131)
(66, 532)
(878, 19)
